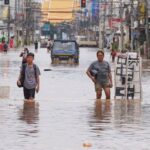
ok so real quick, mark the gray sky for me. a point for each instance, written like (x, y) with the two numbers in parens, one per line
(38, 0)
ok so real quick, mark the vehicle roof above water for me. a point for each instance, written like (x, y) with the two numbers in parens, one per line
(65, 45)
(65, 41)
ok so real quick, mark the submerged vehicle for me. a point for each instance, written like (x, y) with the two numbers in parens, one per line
(65, 50)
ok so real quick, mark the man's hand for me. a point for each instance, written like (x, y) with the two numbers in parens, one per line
(37, 89)
(93, 79)
(110, 85)
(90, 76)
(18, 82)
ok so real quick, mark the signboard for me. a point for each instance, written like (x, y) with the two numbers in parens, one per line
(128, 83)
(95, 8)
(115, 22)
(3, 12)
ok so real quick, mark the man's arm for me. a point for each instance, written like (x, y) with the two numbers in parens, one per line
(18, 81)
(20, 74)
(38, 84)
(90, 76)
(37, 79)
(21, 55)
(110, 78)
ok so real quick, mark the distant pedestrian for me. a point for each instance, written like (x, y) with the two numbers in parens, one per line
(36, 45)
(49, 45)
(1, 46)
(29, 78)
(3, 39)
(11, 42)
(113, 55)
(24, 55)
(5, 47)
(100, 73)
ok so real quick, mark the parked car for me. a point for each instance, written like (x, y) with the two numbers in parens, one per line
(65, 50)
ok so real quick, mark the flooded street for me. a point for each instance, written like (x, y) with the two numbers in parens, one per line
(68, 114)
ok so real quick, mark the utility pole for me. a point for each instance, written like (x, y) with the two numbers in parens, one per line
(8, 22)
(100, 32)
(102, 15)
(111, 14)
(147, 30)
(104, 25)
(121, 26)
(26, 22)
(16, 34)
(132, 25)
(23, 22)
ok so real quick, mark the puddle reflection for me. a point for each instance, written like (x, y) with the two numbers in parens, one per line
(4, 92)
(102, 110)
(4, 70)
(102, 116)
(30, 118)
(30, 114)
(127, 112)
(119, 114)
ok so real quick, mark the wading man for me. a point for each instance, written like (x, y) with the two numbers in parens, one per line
(29, 78)
(100, 73)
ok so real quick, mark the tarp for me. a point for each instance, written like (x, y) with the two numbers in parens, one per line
(46, 27)
(58, 11)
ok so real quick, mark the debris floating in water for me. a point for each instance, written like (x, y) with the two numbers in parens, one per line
(87, 145)
(47, 69)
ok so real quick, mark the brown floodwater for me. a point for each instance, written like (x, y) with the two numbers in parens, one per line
(68, 116)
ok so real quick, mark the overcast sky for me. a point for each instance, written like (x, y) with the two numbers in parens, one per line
(38, 0)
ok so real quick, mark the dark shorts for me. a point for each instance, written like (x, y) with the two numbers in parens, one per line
(29, 93)
(48, 47)
(99, 87)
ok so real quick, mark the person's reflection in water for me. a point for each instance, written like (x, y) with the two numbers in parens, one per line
(30, 114)
(98, 109)
(102, 109)
(30, 118)
(102, 116)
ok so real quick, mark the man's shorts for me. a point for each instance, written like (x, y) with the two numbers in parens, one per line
(29, 93)
(99, 87)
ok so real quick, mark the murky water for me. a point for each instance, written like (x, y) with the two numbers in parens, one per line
(68, 115)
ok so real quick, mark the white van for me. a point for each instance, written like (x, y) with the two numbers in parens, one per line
(84, 42)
